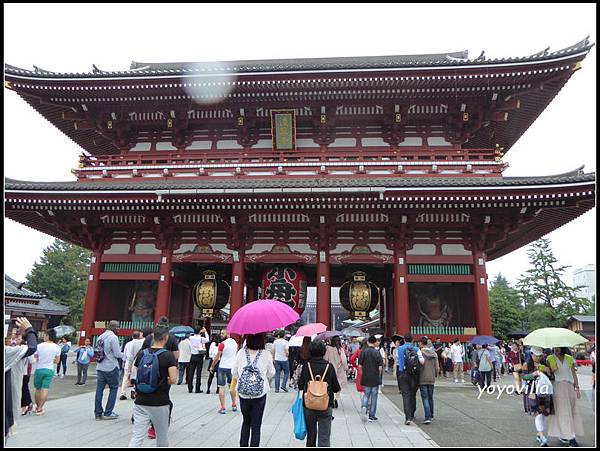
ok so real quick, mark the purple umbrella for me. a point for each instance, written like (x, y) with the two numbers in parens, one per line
(263, 315)
(329, 334)
(484, 340)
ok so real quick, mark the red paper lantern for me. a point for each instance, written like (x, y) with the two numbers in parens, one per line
(285, 284)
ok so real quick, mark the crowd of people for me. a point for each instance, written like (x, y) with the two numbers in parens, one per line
(144, 368)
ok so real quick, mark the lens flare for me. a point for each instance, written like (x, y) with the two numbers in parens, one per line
(211, 84)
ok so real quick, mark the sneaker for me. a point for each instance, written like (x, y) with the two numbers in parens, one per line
(112, 416)
(456, 381)
(200, 391)
(407, 422)
(99, 417)
(208, 392)
(370, 420)
(276, 391)
(222, 411)
(427, 422)
(463, 381)
(373, 418)
(564, 440)
(543, 441)
(234, 408)
(122, 397)
(284, 389)
(573, 442)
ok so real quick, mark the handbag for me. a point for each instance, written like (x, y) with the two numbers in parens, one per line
(297, 410)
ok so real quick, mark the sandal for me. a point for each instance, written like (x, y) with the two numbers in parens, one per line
(40, 412)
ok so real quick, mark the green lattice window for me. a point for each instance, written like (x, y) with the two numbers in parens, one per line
(131, 267)
(445, 270)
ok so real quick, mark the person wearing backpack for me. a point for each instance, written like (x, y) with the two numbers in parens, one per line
(84, 356)
(408, 376)
(427, 374)
(318, 382)
(253, 368)
(156, 372)
(107, 352)
(65, 347)
(370, 363)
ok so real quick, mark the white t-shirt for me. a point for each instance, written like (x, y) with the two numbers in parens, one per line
(185, 351)
(280, 345)
(212, 350)
(456, 351)
(264, 364)
(45, 355)
(197, 343)
(227, 359)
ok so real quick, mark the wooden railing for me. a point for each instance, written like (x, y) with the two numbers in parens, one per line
(260, 156)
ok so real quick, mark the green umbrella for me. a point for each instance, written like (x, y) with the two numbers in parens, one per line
(553, 337)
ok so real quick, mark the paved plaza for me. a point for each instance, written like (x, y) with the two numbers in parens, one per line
(70, 422)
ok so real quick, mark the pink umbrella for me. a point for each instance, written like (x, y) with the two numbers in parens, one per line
(311, 329)
(263, 315)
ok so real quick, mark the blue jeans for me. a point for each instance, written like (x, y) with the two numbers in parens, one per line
(285, 366)
(370, 392)
(104, 378)
(427, 398)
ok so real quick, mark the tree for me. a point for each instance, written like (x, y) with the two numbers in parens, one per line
(61, 275)
(505, 308)
(549, 301)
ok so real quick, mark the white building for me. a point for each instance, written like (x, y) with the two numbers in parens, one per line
(586, 276)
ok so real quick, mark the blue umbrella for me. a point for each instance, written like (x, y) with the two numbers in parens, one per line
(181, 331)
(484, 340)
(329, 334)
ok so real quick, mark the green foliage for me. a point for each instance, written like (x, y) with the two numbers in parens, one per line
(505, 308)
(61, 275)
(547, 299)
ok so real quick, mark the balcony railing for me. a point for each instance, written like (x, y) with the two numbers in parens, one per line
(431, 330)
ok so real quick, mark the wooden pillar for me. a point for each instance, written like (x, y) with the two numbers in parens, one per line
(382, 311)
(238, 278)
(163, 297)
(323, 290)
(483, 321)
(400, 284)
(92, 296)
(389, 312)
(189, 307)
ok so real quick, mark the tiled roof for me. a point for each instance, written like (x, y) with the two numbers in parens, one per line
(14, 289)
(304, 64)
(389, 182)
(584, 318)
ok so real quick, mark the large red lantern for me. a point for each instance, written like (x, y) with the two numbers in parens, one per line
(285, 284)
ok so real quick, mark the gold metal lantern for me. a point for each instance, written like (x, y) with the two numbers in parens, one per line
(359, 296)
(211, 294)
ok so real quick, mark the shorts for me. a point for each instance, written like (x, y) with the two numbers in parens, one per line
(42, 378)
(223, 376)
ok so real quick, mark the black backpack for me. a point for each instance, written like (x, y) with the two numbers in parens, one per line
(411, 361)
(99, 354)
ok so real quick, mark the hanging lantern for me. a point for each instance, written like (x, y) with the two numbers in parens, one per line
(359, 296)
(211, 295)
(286, 284)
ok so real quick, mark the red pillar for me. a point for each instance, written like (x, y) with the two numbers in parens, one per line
(401, 305)
(92, 296)
(163, 297)
(238, 276)
(389, 313)
(189, 308)
(483, 320)
(323, 290)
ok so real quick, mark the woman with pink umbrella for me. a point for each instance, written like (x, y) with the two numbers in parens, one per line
(253, 366)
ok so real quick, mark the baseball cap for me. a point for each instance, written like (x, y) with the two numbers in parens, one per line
(537, 350)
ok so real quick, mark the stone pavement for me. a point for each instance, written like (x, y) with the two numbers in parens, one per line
(195, 422)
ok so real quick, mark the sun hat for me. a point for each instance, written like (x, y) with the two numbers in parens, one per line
(537, 350)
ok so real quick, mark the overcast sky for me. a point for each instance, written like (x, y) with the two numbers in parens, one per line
(70, 38)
